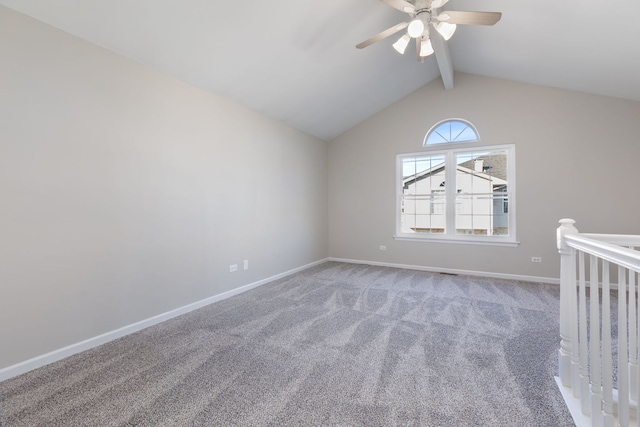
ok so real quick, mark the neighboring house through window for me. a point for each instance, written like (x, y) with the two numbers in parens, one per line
(457, 189)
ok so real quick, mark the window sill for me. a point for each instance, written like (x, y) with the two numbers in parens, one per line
(485, 242)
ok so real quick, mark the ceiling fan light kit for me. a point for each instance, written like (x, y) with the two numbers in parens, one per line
(415, 28)
(426, 48)
(446, 30)
(425, 13)
(402, 43)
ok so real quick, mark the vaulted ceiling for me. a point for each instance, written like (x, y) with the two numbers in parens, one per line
(295, 60)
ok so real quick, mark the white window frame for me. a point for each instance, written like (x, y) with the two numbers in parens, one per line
(450, 236)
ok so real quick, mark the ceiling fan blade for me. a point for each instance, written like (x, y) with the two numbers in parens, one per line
(401, 5)
(470, 18)
(418, 57)
(384, 34)
(437, 4)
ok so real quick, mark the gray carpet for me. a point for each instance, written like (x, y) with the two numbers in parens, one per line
(335, 345)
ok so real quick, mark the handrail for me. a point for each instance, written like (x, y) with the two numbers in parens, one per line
(615, 239)
(619, 255)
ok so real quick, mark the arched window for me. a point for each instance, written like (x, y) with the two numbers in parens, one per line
(451, 130)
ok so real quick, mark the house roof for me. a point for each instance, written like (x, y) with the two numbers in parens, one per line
(495, 165)
(295, 60)
(462, 167)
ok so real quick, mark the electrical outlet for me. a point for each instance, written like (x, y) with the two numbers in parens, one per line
(383, 248)
(246, 264)
(233, 267)
(536, 259)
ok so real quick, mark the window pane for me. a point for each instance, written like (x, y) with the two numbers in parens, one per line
(451, 131)
(482, 199)
(423, 207)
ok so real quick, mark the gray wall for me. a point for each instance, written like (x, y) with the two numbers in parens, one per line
(125, 193)
(577, 156)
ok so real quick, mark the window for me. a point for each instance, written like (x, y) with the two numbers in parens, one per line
(455, 130)
(437, 202)
(457, 190)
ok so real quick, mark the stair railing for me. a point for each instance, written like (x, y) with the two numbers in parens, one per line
(599, 283)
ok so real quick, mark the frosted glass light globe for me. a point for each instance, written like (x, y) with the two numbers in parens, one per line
(416, 28)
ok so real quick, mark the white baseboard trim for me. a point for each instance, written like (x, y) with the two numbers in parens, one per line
(54, 356)
(551, 280)
(573, 404)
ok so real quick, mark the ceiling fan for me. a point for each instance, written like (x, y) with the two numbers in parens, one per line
(430, 27)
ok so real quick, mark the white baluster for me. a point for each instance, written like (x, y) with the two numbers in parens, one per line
(583, 339)
(575, 342)
(633, 338)
(594, 336)
(635, 379)
(566, 289)
(623, 358)
(633, 278)
(607, 358)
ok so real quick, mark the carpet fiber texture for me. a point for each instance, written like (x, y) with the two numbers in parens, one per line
(334, 345)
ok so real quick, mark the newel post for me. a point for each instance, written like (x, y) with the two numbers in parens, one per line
(567, 299)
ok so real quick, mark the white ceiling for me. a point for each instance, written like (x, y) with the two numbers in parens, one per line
(296, 61)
